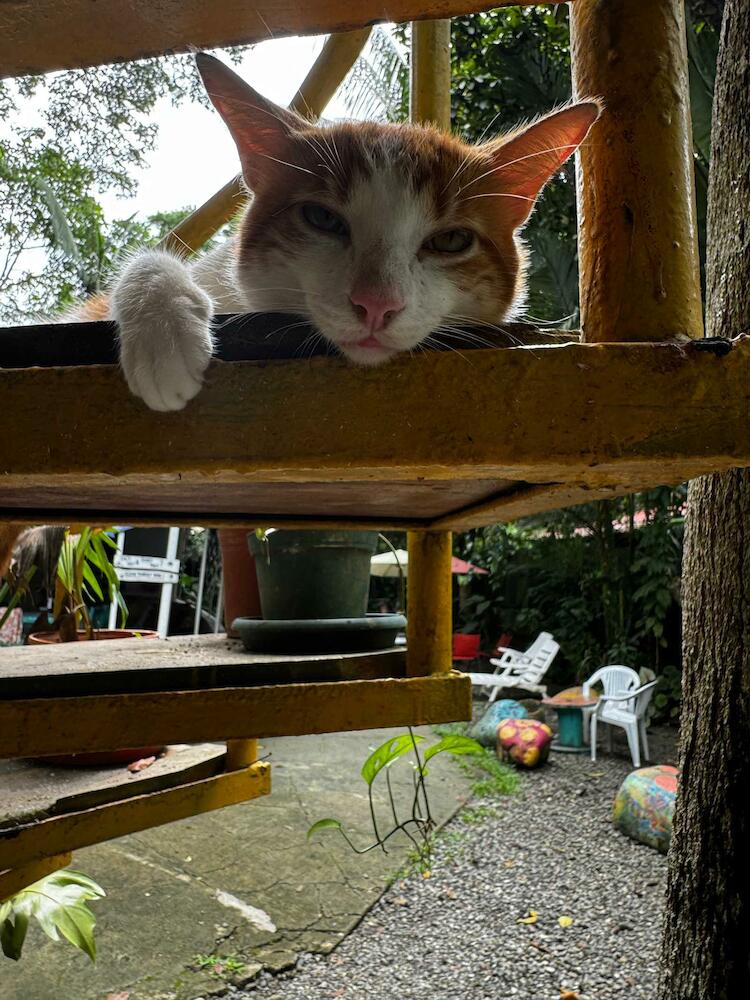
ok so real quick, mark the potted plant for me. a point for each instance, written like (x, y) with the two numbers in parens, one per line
(313, 588)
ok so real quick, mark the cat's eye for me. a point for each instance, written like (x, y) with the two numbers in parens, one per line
(322, 218)
(450, 241)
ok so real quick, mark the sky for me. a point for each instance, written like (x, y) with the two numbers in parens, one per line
(195, 155)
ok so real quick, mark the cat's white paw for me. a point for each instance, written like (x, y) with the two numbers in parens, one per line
(164, 322)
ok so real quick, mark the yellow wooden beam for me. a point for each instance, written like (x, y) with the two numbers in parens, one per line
(70, 831)
(64, 34)
(14, 879)
(637, 243)
(429, 604)
(338, 55)
(598, 415)
(34, 727)
(430, 82)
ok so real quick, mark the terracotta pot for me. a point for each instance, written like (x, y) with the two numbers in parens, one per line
(241, 597)
(100, 758)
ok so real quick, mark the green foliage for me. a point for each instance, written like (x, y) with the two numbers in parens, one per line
(66, 138)
(82, 557)
(666, 701)
(419, 824)
(58, 904)
(606, 588)
(13, 589)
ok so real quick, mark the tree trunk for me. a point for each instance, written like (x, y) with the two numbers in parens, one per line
(706, 940)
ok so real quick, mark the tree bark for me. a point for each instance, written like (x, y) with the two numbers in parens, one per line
(706, 937)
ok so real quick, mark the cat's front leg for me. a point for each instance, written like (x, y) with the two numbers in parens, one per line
(164, 321)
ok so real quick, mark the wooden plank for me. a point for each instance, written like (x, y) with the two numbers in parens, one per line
(15, 879)
(37, 789)
(63, 34)
(429, 629)
(637, 237)
(73, 725)
(194, 663)
(597, 415)
(71, 831)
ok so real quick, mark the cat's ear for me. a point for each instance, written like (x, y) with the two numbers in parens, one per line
(261, 129)
(523, 164)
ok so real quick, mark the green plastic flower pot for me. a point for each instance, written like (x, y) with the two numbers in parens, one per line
(313, 574)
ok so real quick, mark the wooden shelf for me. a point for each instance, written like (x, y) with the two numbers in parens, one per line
(60, 702)
(441, 440)
(88, 810)
(63, 34)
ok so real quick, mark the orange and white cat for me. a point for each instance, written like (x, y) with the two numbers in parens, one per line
(376, 234)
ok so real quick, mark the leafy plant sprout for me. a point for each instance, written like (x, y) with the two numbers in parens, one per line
(58, 903)
(418, 825)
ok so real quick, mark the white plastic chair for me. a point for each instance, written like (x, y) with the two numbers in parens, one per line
(628, 711)
(614, 679)
(516, 669)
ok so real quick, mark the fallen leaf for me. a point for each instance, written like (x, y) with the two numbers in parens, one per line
(565, 921)
(449, 893)
(509, 864)
(427, 874)
(140, 765)
(531, 919)
(401, 901)
(568, 995)
(117, 996)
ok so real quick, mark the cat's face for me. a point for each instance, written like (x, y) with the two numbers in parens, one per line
(383, 234)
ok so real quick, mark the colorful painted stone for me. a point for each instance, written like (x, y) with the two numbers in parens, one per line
(645, 805)
(485, 729)
(524, 741)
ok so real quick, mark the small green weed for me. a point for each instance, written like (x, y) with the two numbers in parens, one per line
(496, 778)
(219, 966)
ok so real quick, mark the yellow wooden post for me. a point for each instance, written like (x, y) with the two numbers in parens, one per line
(241, 753)
(638, 247)
(429, 603)
(429, 594)
(336, 58)
(12, 880)
(430, 83)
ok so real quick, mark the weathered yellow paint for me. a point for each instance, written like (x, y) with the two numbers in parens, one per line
(70, 831)
(33, 727)
(430, 83)
(241, 753)
(64, 34)
(637, 243)
(597, 415)
(336, 58)
(429, 604)
(14, 879)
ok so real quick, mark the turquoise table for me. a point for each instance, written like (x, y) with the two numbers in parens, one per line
(568, 705)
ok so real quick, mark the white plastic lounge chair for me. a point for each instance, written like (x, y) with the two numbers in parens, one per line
(628, 711)
(614, 679)
(516, 669)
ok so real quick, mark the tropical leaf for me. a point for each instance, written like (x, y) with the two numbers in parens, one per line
(453, 744)
(386, 753)
(324, 824)
(58, 904)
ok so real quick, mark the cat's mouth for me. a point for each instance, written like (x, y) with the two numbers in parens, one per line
(369, 350)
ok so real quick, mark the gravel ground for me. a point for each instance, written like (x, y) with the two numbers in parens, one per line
(549, 848)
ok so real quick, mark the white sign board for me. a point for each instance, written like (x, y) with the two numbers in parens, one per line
(146, 569)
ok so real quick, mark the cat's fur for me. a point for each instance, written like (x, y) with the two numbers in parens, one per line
(354, 227)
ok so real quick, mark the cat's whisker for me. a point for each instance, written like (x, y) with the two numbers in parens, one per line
(294, 166)
(494, 194)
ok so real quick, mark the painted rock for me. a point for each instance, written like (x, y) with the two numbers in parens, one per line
(645, 805)
(524, 741)
(485, 729)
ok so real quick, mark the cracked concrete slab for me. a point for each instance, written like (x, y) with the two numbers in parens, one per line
(241, 882)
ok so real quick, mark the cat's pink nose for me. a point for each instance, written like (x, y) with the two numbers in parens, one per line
(375, 307)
